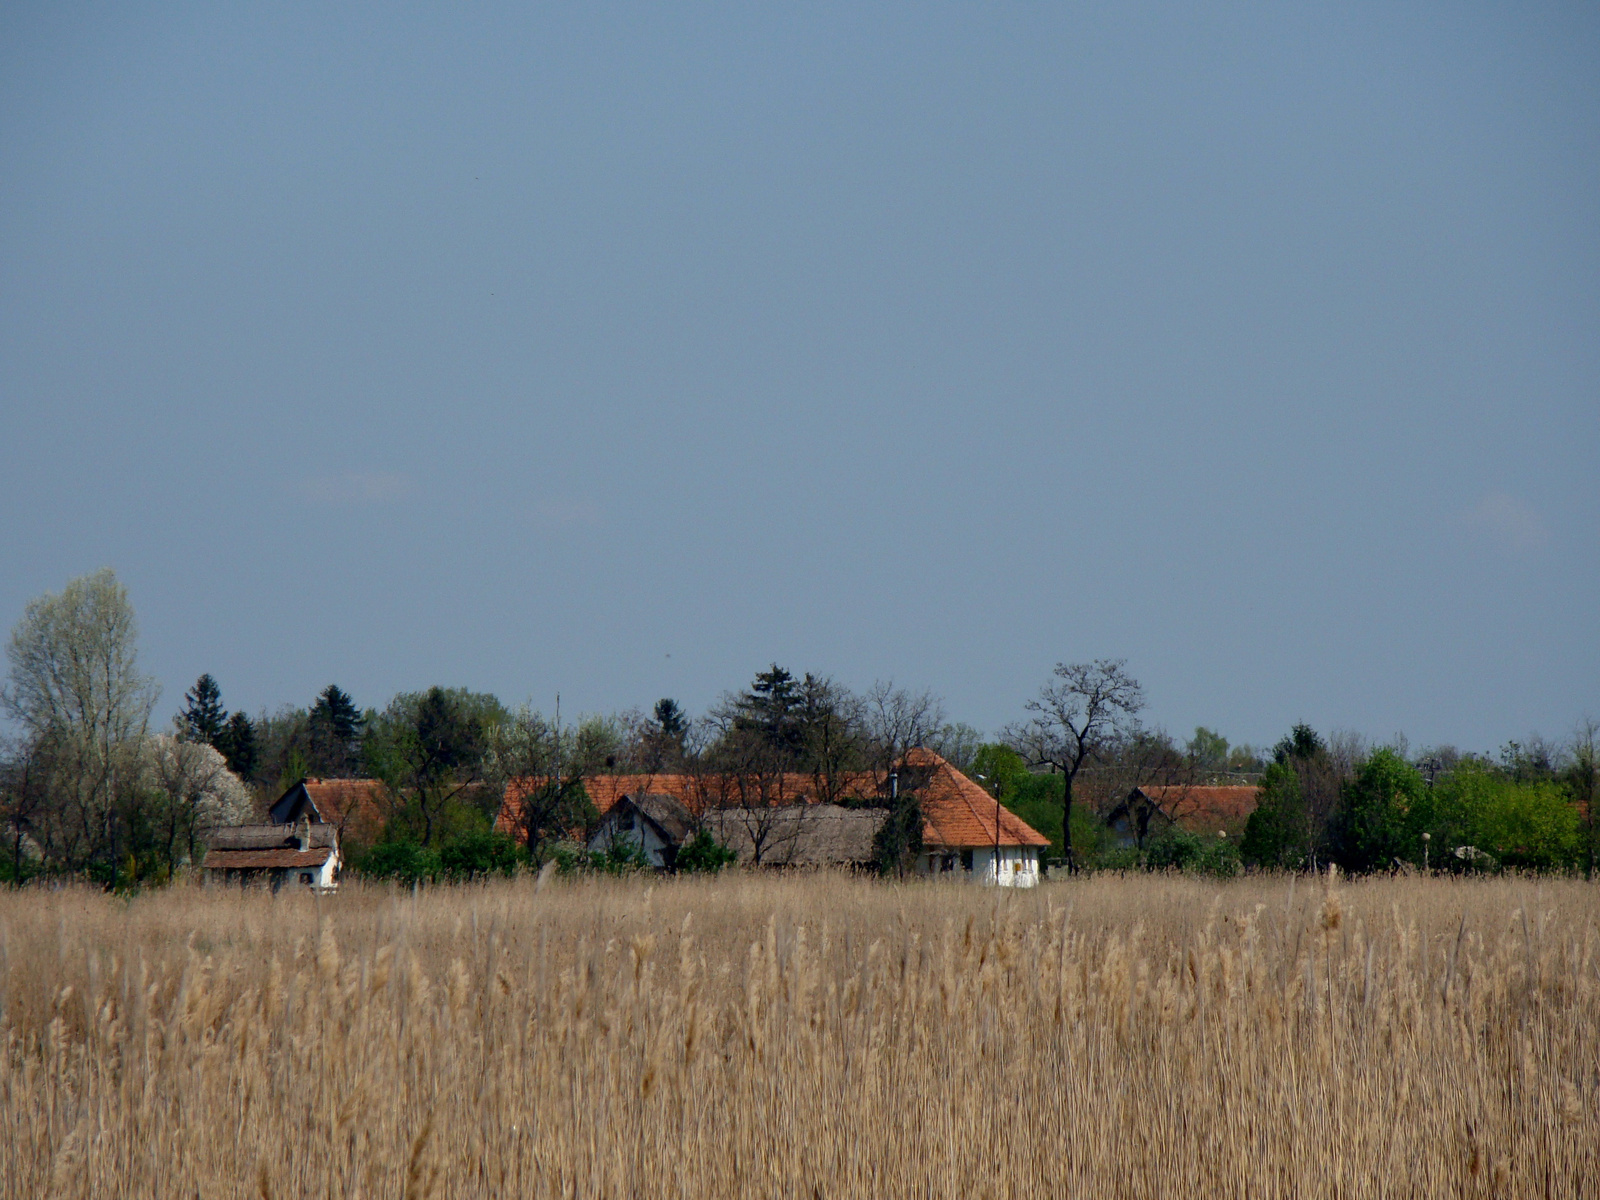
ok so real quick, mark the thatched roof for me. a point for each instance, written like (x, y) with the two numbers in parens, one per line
(799, 835)
(670, 816)
(269, 837)
(263, 860)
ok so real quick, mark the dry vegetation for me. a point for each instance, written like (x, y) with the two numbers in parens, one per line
(806, 1037)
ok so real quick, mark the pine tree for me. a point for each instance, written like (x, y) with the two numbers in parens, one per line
(335, 730)
(670, 719)
(771, 708)
(203, 717)
(238, 746)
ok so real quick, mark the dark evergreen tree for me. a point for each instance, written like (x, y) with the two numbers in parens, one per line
(1303, 744)
(238, 746)
(670, 719)
(772, 709)
(1278, 833)
(203, 717)
(334, 730)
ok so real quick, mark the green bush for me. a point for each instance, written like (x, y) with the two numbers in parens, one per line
(1278, 833)
(1173, 849)
(1120, 858)
(1176, 849)
(1529, 825)
(404, 861)
(621, 858)
(703, 853)
(479, 853)
(1380, 816)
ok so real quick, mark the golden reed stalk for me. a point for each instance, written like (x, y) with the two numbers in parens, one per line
(778, 1036)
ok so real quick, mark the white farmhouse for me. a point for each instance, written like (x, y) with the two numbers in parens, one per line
(965, 830)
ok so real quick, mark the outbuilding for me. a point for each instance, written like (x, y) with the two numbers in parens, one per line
(305, 853)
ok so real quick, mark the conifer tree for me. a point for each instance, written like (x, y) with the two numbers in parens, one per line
(238, 746)
(335, 732)
(203, 717)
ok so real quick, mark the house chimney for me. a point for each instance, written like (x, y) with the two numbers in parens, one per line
(302, 833)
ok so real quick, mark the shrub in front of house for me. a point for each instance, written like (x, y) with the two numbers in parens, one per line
(703, 854)
(622, 858)
(480, 853)
(403, 862)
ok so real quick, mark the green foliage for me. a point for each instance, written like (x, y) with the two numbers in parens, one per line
(670, 720)
(203, 718)
(238, 745)
(1208, 749)
(333, 730)
(18, 869)
(1381, 815)
(703, 854)
(555, 809)
(1278, 832)
(1037, 799)
(429, 748)
(480, 853)
(403, 861)
(1176, 849)
(620, 858)
(1303, 742)
(998, 765)
(1093, 841)
(1527, 824)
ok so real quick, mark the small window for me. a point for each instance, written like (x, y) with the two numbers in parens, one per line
(966, 860)
(307, 877)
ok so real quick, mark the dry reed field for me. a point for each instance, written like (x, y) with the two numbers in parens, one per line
(806, 1036)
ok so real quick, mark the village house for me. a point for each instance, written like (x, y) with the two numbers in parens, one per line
(657, 824)
(793, 835)
(353, 806)
(965, 829)
(304, 853)
(791, 821)
(1205, 810)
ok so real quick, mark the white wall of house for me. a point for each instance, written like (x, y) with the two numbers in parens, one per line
(631, 830)
(1018, 865)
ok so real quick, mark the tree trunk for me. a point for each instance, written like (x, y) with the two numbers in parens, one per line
(1066, 824)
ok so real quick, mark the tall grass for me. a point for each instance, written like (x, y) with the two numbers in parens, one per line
(808, 1037)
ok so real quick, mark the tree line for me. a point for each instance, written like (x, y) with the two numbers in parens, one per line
(89, 786)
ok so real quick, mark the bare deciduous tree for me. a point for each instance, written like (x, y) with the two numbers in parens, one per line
(75, 680)
(1074, 718)
(537, 767)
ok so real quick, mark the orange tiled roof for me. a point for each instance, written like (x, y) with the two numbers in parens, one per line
(1204, 808)
(354, 805)
(956, 812)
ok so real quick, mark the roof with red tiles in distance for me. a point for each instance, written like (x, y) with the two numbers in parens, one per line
(1205, 809)
(354, 805)
(956, 812)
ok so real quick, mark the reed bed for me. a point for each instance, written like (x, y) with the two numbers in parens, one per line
(805, 1036)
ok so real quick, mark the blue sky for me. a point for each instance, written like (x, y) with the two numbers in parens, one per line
(622, 349)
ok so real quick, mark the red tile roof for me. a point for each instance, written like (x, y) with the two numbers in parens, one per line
(956, 812)
(1203, 808)
(354, 805)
